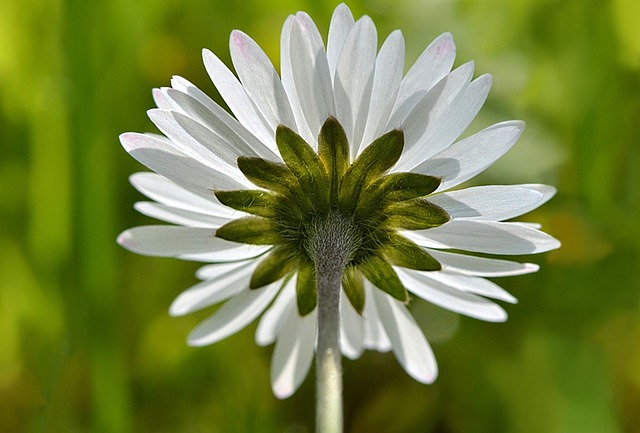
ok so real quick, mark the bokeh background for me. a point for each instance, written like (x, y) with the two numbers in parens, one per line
(86, 344)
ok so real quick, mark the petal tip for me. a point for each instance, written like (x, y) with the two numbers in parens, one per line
(176, 310)
(282, 391)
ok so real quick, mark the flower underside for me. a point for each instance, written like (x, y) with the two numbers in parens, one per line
(313, 190)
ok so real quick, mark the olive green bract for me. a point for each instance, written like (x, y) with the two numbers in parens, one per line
(310, 189)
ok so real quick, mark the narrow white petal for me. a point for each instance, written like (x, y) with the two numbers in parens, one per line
(386, 82)
(216, 270)
(351, 329)
(375, 337)
(409, 344)
(272, 320)
(201, 143)
(341, 23)
(481, 266)
(288, 82)
(172, 241)
(476, 285)
(422, 240)
(452, 123)
(229, 132)
(488, 237)
(353, 80)
(432, 65)
(466, 158)
(310, 73)
(261, 81)
(180, 216)
(213, 291)
(446, 296)
(547, 191)
(234, 315)
(162, 190)
(293, 353)
(429, 115)
(236, 253)
(162, 100)
(236, 98)
(161, 157)
(536, 226)
(494, 203)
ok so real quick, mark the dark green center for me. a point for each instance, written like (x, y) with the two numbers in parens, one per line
(312, 191)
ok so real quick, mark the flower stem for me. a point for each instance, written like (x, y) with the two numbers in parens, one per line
(333, 244)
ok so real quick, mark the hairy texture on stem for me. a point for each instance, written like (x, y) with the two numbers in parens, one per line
(333, 242)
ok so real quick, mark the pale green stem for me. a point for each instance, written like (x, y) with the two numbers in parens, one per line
(333, 244)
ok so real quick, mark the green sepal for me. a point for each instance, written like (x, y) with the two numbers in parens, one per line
(353, 285)
(306, 291)
(394, 187)
(418, 214)
(271, 175)
(333, 150)
(372, 163)
(274, 176)
(256, 202)
(305, 164)
(250, 230)
(400, 251)
(380, 273)
(407, 186)
(276, 264)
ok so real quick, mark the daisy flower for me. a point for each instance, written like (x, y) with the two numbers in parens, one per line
(340, 139)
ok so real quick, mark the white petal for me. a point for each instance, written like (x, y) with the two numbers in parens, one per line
(179, 216)
(272, 320)
(162, 100)
(386, 82)
(210, 272)
(230, 133)
(341, 23)
(261, 81)
(234, 315)
(353, 80)
(409, 344)
(162, 190)
(293, 353)
(432, 65)
(466, 158)
(288, 82)
(495, 203)
(183, 170)
(453, 122)
(201, 143)
(488, 237)
(429, 115)
(476, 285)
(310, 73)
(236, 253)
(536, 226)
(547, 192)
(481, 266)
(172, 241)
(351, 329)
(237, 99)
(444, 295)
(213, 291)
(375, 337)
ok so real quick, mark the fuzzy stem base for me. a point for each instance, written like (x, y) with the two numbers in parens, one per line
(333, 244)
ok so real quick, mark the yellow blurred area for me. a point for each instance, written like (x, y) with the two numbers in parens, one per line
(627, 15)
(86, 343)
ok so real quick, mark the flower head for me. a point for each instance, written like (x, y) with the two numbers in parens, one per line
(341, 138)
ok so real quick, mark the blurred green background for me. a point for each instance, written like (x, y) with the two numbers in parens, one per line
(86, 344)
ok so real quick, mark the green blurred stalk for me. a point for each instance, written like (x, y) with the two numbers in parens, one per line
(87, 41)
